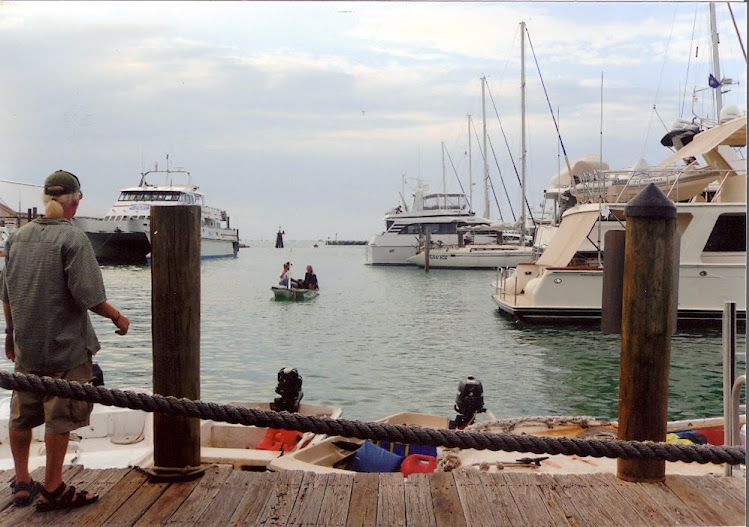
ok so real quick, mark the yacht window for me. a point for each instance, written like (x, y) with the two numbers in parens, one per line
(412, 228)
(728, 235)
(443, 228)
(388, 224)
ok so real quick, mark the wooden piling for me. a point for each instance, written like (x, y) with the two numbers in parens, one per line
(175, 314)
(427, 247)
(613, 273)
(647, 326)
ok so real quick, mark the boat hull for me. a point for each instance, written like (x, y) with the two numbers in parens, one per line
(128, 241)
(294, 294)
(574, 296)
(328, 456)
(476, 257)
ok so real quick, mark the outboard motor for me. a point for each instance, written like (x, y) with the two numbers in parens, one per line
(290, 389)
(468, 402)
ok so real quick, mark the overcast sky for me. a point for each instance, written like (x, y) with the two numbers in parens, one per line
(306, 115)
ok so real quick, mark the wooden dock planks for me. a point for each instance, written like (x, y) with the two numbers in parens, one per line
(461, 498)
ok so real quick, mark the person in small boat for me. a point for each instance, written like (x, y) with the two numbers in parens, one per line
(310, 280)
(285, 277)
(50, 281)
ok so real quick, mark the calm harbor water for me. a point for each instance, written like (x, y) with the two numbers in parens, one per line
(382, 340)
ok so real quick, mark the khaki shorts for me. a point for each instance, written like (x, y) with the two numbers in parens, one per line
(60, 415)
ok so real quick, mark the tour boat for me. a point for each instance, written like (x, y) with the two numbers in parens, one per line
(565, 284)
(124, 235)
(441, 213)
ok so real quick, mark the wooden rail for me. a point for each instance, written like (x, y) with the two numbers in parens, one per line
(462, 498)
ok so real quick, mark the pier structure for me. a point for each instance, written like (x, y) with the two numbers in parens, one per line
(463, 498)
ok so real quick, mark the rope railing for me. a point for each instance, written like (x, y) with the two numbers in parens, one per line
(609, 448)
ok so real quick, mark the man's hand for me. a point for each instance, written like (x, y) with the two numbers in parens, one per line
(10, 347)
(123, 324)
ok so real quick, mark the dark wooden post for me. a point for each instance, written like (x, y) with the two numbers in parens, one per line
(647, 326)
(613, 272)
(175, 314)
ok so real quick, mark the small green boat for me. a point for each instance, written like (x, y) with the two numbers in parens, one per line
(294, 294)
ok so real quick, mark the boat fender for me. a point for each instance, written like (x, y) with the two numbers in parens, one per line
(278, 440)
(372, 458)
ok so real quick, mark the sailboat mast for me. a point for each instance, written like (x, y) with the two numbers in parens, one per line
(716, 62)
(444, 178)
(522, 133)
(486, 153)
(470, 168)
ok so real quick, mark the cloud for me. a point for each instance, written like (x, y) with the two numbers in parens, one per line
(264, 101)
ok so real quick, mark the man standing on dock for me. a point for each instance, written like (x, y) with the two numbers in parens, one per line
(50, 281)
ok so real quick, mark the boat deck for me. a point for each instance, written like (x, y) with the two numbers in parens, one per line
(461, 498)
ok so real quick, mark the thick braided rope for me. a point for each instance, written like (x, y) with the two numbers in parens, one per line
(609, 448)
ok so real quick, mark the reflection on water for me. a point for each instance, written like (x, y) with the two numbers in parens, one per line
(383, 340)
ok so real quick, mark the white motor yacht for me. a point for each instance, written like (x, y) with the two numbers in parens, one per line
(506, 250)
(124, 234)
(441, 213)
(566, 283)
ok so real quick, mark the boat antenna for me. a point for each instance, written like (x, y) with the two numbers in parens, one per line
(601, 182)
(738, 34)
(716, 63)
(543, 85)
(470, 168)
(486, 152)
(444, 180)
(523, 151)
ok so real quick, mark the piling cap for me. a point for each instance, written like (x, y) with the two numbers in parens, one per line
(650, 202)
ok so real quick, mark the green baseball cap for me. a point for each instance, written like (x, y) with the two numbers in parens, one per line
(67, 182)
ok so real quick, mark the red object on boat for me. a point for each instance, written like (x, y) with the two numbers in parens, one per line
(714, 436)
(418, 463)
(279, 440)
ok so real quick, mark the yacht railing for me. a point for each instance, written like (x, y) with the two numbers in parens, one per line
(732, 384)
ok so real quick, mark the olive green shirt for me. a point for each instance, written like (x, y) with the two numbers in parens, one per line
(51, 279)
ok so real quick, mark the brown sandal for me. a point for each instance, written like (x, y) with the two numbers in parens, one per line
(32, 487)
(64, 499)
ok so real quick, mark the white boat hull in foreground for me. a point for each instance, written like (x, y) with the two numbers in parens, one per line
(330, 456)
(120, 437)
